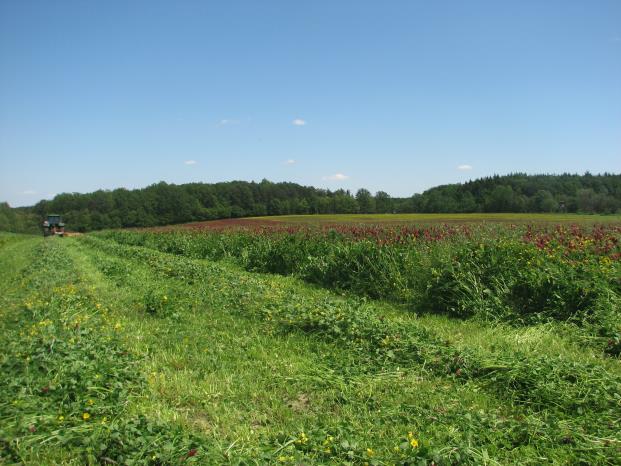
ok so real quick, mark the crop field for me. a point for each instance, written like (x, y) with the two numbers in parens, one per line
(446, 218)
(330, 220)
(315, 342)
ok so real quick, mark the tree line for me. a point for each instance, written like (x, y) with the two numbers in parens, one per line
(525, 193)
(163, 203)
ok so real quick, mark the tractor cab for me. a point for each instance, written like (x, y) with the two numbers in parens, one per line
(53, 226)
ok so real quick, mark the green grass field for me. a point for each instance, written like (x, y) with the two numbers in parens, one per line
(119, 354)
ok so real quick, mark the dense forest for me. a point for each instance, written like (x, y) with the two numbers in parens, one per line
(163, 203)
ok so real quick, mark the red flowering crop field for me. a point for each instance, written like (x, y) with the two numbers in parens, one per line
(403, 219)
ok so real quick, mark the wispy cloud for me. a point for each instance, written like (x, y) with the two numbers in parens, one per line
(227, 121)
(336, 177)
(464, 168)
(190, 162)
(298, 122)
(29, 192)
(289, 162)
(616, 38)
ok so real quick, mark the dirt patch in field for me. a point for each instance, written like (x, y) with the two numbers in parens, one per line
(300, 403)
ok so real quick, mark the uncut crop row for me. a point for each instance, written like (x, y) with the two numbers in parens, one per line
(517, 274)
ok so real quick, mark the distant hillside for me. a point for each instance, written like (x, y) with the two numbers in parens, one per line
(163, 204)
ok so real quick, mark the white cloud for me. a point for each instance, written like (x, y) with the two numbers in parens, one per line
(30, 192)
(298, 122)
(190, 162)
(227, 121)
(464, 168)
(289, 162)
(336, 177)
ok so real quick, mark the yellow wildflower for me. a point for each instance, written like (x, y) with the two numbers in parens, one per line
(413, 441)
(86, 416)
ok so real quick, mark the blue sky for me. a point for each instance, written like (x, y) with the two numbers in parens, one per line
(395, 95)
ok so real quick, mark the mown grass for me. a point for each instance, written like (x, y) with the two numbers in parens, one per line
(248, 368)
(67, 383)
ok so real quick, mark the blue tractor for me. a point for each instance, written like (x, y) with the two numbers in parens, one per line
(53, 226)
